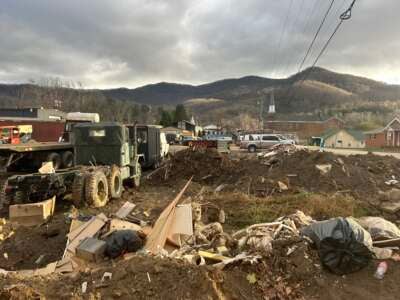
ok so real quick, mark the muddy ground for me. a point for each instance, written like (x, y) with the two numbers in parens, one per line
(349, 189)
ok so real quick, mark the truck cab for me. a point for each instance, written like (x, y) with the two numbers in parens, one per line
(9, 135)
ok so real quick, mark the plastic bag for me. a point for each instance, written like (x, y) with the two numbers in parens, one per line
(379, 228)
(122, 241)
(343, 245)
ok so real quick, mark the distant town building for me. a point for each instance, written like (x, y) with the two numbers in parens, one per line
(186, 125)
(212, 130)
(344, 138)
(303, 128)
(31, 114)
(388, 136)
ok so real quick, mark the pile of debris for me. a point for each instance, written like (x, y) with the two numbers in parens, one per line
(184, 237)
(287, 168)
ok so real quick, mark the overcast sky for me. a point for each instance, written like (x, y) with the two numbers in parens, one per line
(114, 43)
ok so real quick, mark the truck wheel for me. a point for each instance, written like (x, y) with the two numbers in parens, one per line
(78, 190)
(67, 159)
(96, 189)
(115, 183)
(20, 197)
(55, 158)
(252, 148)
(4, 198)
(136, 180)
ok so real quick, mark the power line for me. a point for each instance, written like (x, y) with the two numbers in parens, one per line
(316, 35)
(295, 25)
(281, 36)
(343, 17)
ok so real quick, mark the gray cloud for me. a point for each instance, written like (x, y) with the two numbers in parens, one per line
(105, 43)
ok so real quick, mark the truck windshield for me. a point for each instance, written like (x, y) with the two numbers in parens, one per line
(97, 133)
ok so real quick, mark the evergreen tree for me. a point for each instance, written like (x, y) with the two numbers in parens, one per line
(165, 118)
(180, 113)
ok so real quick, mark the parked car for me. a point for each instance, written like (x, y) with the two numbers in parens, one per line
(186, 140)
(254, 142)
(218, 138)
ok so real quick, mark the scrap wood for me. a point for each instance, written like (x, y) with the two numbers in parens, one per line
(182, 224)
(117, 224)
(155, 171)
(48, 269)
(158, 236)
(247, 230)
(65, 265)
(213, 256)
(125, 210)
(76, 230)
(89, 230)
(387, 243)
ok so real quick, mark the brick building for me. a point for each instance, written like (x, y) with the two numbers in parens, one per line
(388, 136)
(305, 129)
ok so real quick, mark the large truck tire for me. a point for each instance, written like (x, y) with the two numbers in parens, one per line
(115, 183)
(67, 159)
(20, 197)
(55, 158)
(4, 198)
(78, 190)
(96, 189)
(136, 180)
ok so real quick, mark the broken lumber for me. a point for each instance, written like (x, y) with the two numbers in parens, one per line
(33, 213)
(158, 236)
(125, 210)
(89, 229)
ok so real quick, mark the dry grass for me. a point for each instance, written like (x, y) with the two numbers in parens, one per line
(243, 210)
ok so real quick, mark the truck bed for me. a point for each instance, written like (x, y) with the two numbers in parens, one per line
(34, 146)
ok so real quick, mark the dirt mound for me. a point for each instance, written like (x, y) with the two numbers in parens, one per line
(361, 176)
(141, 277)
(206, 165)
(25, 246)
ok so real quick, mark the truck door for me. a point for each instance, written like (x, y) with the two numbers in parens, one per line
(269, 141)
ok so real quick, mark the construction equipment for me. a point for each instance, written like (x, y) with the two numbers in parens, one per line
(105, 158)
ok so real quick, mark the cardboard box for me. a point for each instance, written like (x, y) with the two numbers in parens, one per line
(33, 213)
(91, 249)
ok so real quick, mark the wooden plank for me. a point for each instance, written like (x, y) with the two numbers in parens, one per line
(213, 256)
(89, 231)
(158, 236)
(182, 224)
(74, 232)
(117, 224)
(387, 243)
(125, 210)
(33, 213)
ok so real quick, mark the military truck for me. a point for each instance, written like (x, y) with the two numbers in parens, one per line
(105, 159)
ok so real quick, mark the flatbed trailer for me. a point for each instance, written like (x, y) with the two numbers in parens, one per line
(105, 160)
(31, 155)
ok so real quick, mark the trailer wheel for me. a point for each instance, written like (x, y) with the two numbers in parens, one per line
(78, 190)
(55, 158)
(115, 183)
(96, 189)
(67, 159)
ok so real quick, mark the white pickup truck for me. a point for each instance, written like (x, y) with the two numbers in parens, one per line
(254, 142)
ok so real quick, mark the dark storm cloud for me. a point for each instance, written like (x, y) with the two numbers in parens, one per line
(133, 42)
